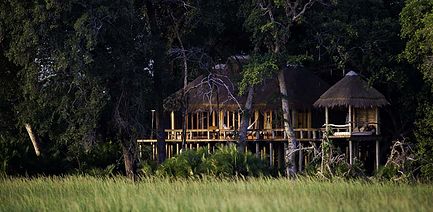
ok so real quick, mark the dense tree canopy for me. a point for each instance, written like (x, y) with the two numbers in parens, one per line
(85, 74)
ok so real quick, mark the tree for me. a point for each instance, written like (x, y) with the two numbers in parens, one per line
(417, 27)
(271, 24)
(84, 75)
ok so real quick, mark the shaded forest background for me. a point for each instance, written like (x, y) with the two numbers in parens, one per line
(86, 74)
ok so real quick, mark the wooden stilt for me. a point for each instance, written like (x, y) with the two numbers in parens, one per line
(257, 150)
(301, 156)
(140, 151)
(350, 152)
(377, 121)
(153, 151)
(326, 119)
(233, 121)
(350, 119)
(172, 120)
(377, 155)
(271, 155)
(239, 120)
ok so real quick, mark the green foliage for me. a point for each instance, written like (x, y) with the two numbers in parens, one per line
(425, 141)
(224, 162)
(417, 26)
(258, 69)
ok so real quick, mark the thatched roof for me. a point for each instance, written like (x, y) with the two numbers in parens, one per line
(218, 91)
(351, 90)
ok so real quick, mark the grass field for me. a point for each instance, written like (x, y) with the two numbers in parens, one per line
(118, 194)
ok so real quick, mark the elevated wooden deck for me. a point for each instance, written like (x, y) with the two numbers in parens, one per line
(228, 135)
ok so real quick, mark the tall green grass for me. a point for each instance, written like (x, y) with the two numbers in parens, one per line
(77, 193)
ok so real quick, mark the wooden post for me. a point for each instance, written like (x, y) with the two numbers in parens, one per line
(239, 120)
(257, 149)
(326, 119)
(221, 120)
(233, 121)
(309, 124)
(301, 156)
(377, 155)
(377, 121)
(213, 118)
(192, 121)
(172, 119)
(228, 118)
(270, 123)
(350, 152)
(271, 155)
(350, 119)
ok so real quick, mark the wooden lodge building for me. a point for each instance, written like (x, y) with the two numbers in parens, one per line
(349, 110)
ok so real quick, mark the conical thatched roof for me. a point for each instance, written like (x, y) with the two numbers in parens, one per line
(303, 86)
(351, 90)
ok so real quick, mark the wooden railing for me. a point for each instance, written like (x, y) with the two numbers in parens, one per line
(340, 131)
(206, 135)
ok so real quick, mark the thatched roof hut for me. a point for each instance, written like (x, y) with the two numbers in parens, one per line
(352, 90)
(217, 91)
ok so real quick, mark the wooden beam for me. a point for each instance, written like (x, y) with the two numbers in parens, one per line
(377, 156)
(301, 156)
(221, 119)
(233, 120)
(377, 121)
(326, 119)
(350, 119)
(350, 152)
(239, 120)
(271, 154)
(228, 118)
(172, 120)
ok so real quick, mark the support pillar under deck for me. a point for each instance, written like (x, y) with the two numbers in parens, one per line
(350, 152)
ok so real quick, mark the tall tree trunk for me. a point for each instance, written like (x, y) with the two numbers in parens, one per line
(160, 136)
(159, 69)
(245, 118)
(184, 111)
(290, 156)
(34, 139)
(130, 157)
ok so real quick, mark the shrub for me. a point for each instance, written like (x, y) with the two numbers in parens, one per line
(226, 161)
